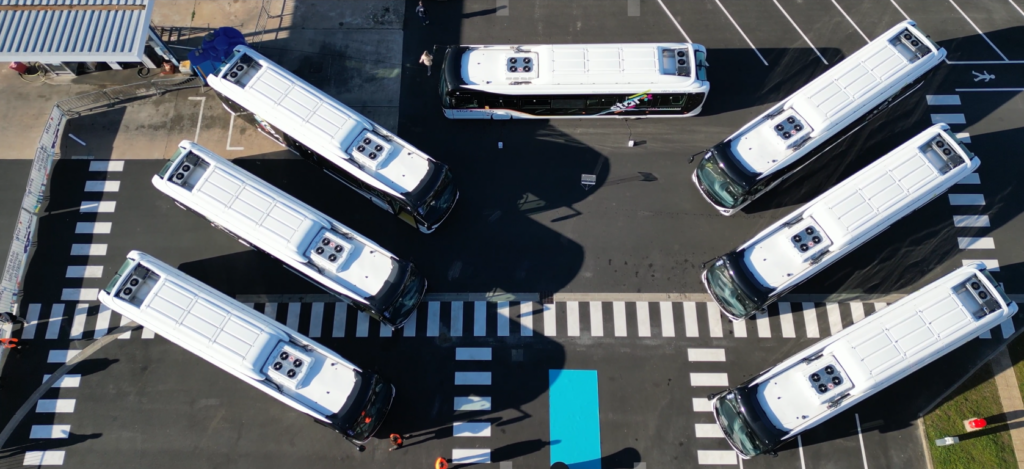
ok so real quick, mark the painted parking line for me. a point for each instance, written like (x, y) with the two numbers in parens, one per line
(991, 264)
(84, 271)
(43, 458)
(786, 320)
(690, 319)
(811, 320)
(900, 9)
(107, 206)
(316, 320)
(972, 178)
(702, 404)
(943, 99)
(472, 403)
(456, 317)
(78, 321)
(596, 319)
(631, 10)
(751, 44)
(473, 353)
(55, 406)
(39, 432)
(66, 381)
(125, 321)
(147, 333)
(1016, 7)
(966, 199)
(705, 354)
(783, 10)
(572, 318)
(668, 322)
(643, 319)
(340, 317)
(851, 22)
(471, 456)
(88, 249)
(61, 356)
(983, 36)
(471, 429)
(106, 166)
(93, 228)
(948, 119)
(575, 421)
(473, 378)
(716, 458)
(433, 318)
(971, 221)
(708, 430)
(976, 243)
(714, 320)
(709, 379)
(102, 186)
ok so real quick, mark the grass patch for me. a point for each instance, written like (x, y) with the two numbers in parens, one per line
(976, 397)
(1016, 349)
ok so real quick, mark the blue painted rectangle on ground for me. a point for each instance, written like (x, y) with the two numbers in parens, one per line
(575, 418)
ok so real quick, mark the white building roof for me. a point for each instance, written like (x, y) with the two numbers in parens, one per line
(74, 30)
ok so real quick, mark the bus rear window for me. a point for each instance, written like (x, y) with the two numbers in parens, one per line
(167, 166)
(117, 278)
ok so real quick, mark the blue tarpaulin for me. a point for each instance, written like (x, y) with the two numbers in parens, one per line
(216, 48)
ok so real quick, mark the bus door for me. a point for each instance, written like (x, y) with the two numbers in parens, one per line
(501, 106)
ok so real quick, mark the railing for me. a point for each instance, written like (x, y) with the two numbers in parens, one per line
(112, 97)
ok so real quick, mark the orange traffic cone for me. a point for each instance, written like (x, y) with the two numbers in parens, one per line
(441, 463)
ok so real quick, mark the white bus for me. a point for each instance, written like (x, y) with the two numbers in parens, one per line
(573, 80)
(835, 223)
(309, 243)
(821, 114)
(376, 163)
(281, 362)
(828, 377)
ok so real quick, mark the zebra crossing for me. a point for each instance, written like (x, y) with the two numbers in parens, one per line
(568, 319)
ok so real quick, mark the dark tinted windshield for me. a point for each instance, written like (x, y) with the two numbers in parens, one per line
(730, 415)
(373, 413)
(411, 295)
(717, 183)
(440, 202)
(728, 290)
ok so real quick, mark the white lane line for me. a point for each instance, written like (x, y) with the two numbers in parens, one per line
(106, 166)
(102, 186)
(479, 318)
(88, 249)
(473, 353)
(316, 320)
(102, 322)
(751, 44)
(714, 320)
(702, 404)
(800, 446)
(964, 137)
(943, 99)
(231, 130)
(801, 32)
(28, 331)
(863, 454)
(857, 311)
(471, 456)
(811, 320)
(739, 328)
(471, 403)
(669, 13)
(550, 321)
(991, 264)
(596, 319)
(270, 311)
(456, 329)
(202, 105)
(668, 322)
(125, 321)
(433, 318)
(900, 9)
(705, 354)
(971, 221)
(972, 178)
(43, 458)
(39, 432)
(53, 325)
(503, 319)
(643, 318)
(55, 406)
(526, 314)
(61, 356)
(983, 36)
(966, 199)
(84, 271)
(716, 458)
(466, 378)
(340, 317)
(835, 320)
(709, 379)
(293, 316)
(633, 8)
(66, 381)
(1006, 327)
(572, 317)
(708, 430)
(79, 294)
(948, 119)
(1016, 7)
(78, 321)
(690, 319)
(409, 329)
(467, 429)
(93, 228)
(786, 320)
(976, 243)
(107, 206)
(362, 324)
(851, 22)
(619, 318)
(764, 328)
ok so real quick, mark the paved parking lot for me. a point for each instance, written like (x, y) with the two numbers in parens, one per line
(524, 224)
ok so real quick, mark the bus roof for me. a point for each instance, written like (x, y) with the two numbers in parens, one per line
(911, 174)
(323, 124)
(877, 70)
(581, 68)
(275, 221)
(884, 347)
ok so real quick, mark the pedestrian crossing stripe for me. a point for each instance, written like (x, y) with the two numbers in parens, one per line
(565, 319)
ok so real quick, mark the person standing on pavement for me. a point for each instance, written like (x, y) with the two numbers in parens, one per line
(427, 59)
(422, 11)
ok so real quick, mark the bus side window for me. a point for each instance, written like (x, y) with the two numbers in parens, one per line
(536, 103)
(692, 101)
(465, 101)
(302, 150)
(602, 102)
(564, 107)
(702, 65)
(502, 102)
(671, 100)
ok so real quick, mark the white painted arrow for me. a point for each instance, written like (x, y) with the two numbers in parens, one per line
(982, 76)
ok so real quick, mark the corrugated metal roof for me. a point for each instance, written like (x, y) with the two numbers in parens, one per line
(71, 34)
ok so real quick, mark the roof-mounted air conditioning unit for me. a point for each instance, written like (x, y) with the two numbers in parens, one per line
(943, 154)
(808, 240)
(288, 365)
(521, 66)
(135, 281)
(790, 129)
(330, 251)
(676, 61)
(909, 45)
(829, 381)
(370, 149)
(183, 174)
(984, 300)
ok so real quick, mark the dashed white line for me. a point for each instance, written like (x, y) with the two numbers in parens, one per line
(28, 331)
(43, 458)
(835, 320)
(633, 8)
(851, 22)
(708, 430)
(106, 166)
(270, 311)
(433, 318)
(88, 249)
(801, 32)
(596, 319)
(550, 321)
(972, 178)
(362, 324)
(976, 243)
(643, 318)
(102, 322)
(503, 319)
(739, 329)
(786, 320)
(479, 318)
(943, 99)
(66, 381)
(948, 119)
(709, 379)
(572, 317)
(668, 322)
(78, 321)
(471, 456)
(456, 329)
(705, 354)
(800, 446)
(292, 320)
(471, 403)
(526, 314)
(102, 186)
(690, 319)
(473, 353)
(991, 264)
(107, 206)
(880, 306)
(61, 356)
(983, 36)
(716, 458)
(340, 316)
(764, 328)
(714, 320)
(316, 320)
(55, 406)
(471, 429)
(857, 311)
(669, 13)
(751, 44)
(148, 333)
(970, 221)
(39, 432)
(386, 330)
(811, 320)
(93, 228)
(84, 271)
(966, 199)
(466, 378)
(619, 318)
(860, 437)
(409, 329)
(702, 404)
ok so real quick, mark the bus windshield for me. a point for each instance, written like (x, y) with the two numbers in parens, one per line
(716, 184)
(412, 292)
(440, 202)
(734, 301)
(372, 414)
(734, 424)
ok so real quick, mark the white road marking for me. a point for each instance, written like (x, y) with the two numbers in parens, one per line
(270, 311)
(643, 318)
(705, 354)
(702, 404)
(471, 456)
(966, 199)
(708, 430)
(948, 119)
(1017, 7)
(550, 321)
(340, 317)
(630, 9)
(385, 330)
(801, 32)
(316, 320)
(991, 264)
(503, 319)
(983, 36)
(668, 322)
(39, 432)
(479, 318)
(84, 271)
(633, 8)
(55, 406)
(619, 318)
(473, 353)
(709, 379)
(433, 318)
(976, 243)
(78, 321)
(102, 322)
(231, 130)
(125, 321)
(786, 320)
(985, 335)
(362, 324)
(293, 316)
(102, 186)
(43, 458)
(811, 320)
(501, 7)
(409, 329)
(471, 429)
(900, 9)
(727, 15)
(28, 331)
(61, 356)
(596, 319)
(88, 249)
(739, 328)
(456, 329)
(53, 325)
(66, 381)
(863, 454)
(959, 90)
(202, 105)
(464, 378)
(835, 320)
(714, 320)
(943, 99)
(971, 221)
(1006, 327)
(857, 311)
(716, 458)
(964, 137)
(764, 328)
(106, 166)
(148, 333)
(526, 318)
(851, 22)
(690, 319)
(471, 403)
(800, 446)
(572, 318)
(880, 306)
(93, 228)
(106, 206)
(972, 178)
